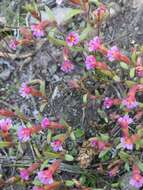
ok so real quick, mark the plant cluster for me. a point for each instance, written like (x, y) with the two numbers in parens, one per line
(117, 146)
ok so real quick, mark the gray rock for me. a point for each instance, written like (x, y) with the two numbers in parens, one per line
(114, 9)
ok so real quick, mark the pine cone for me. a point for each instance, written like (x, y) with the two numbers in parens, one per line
(86, 155)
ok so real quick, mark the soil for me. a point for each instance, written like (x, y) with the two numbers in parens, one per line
(124, 28)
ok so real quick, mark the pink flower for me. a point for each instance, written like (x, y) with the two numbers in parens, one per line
(90, 62)
(24, 174)
(125, 121)
(130, 102)
(94, 44)
(139, 71)
(5, 124)
(72, 39)
(100, 11)
(25, 90)
(45, 123)
(112, 53)
(59, 2)
(37, 30)
(136, 180)
(127, 143)
(100, 145)
(57, 145)
(108, 103)
(94, 142)
(139, 67)
(24, 134)
(13, 44)
(67, 66)
(46, 177)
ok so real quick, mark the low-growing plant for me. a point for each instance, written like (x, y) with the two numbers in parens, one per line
(116, 149)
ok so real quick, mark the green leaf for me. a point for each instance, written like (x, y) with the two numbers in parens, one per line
(96, 2)
(85, 96)
(124, 156)
(127, 167)
(49, 136)
(36, 150)
(54, 40)
(42, 87)
(4, 144)
(141, 80)
(140, 164)
(107, 73)
(103, 153)
(132, 72)
(69, 183)
(116, 78)
(82, 179)
(134, 57)
(50, 14)
(72, 13)
(51, 155)
(42, 106)
(130, 83)
(69, 157)
(36, 182)
(45, 164)
(85, 32)
(104, 137)
(102, 114)
(79, 133)
(115, 185)
(124, 65)
(72, 136)
(59, 136)
(119, 146)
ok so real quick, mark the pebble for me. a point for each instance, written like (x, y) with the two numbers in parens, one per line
(114, 9)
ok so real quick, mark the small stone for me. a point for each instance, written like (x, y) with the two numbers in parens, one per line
(114, 9)
(4, 75)
(136, 28)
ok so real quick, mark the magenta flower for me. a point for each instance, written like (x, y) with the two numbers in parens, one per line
(37, 30)
(108, 103)
(136, 180)
(46, 177)
(100, 145)
(127, 143)
(24, 174)
(25, 90)
(130, 103)
(94, 44)
(45, 123)
(139, 71)
(72, 39)
(13, 44)
(57, 145)
(24, 134)
(112, 53)
(5, 124)
(90, 62)
(94, 142)
(125, 120)
(67, 66)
